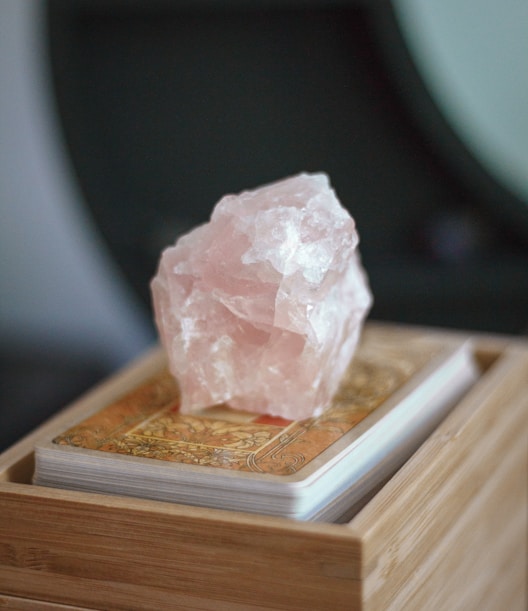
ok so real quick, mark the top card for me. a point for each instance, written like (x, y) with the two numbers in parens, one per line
(147, 423)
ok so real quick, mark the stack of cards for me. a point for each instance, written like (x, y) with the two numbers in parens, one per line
(397, 389)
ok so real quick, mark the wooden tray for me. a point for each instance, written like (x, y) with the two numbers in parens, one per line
(448, 531)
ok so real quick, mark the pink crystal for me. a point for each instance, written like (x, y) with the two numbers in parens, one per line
(262, 307)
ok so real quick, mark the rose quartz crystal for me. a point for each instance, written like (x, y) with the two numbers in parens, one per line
(262, 307)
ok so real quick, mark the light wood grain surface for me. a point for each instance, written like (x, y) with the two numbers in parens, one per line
(448, 521)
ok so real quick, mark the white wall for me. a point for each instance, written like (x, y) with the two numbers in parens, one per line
(58, 287)
(473, 56)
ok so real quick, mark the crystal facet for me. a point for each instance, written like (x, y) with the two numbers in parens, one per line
(262, 307)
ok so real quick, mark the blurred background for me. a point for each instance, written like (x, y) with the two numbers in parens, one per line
(122, 123)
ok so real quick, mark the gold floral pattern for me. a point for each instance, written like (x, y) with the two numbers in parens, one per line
(146, 422)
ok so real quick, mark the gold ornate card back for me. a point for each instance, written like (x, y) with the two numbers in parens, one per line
(147, 423)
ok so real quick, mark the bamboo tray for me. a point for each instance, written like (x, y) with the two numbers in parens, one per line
(448, 531)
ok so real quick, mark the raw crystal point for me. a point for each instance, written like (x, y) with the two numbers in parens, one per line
(262, 307)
